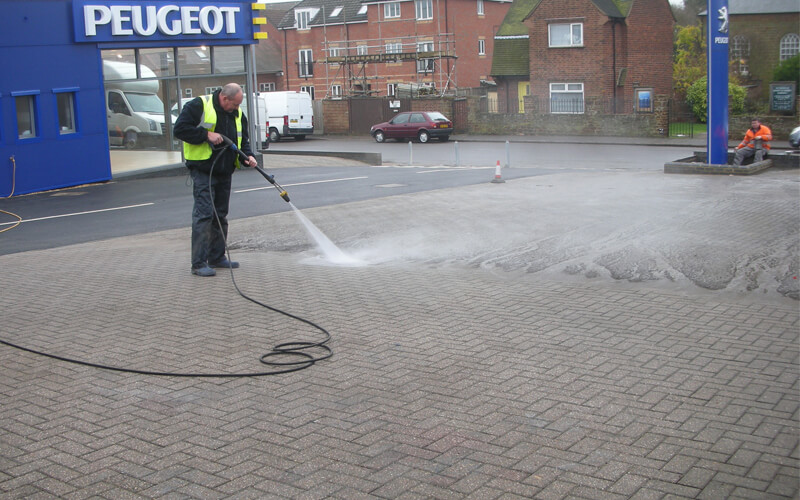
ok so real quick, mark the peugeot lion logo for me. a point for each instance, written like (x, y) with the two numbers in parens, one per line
(723, 17)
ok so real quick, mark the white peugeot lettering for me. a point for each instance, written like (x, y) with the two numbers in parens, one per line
(188, 16)
(175, 27)
(129, 20)
(117, 18)
(152, 24)
(91, 20)
(218, 21)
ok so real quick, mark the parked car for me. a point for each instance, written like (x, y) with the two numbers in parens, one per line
(794, 138)
(409, 125)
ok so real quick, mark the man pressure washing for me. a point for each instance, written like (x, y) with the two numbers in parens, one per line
(201, 126)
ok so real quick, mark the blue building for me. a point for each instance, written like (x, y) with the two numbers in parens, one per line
(81, 79)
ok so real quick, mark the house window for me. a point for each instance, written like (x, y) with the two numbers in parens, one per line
(566, 35)
(211, 90)
(266, 87)
(187, 92)
(27, 116)
(394, 48)
(424, 9)
(334, 52)
(336, 12)
(480, 8)
(740, 52)
(790, 45)
(425, 65)
(309, 89)
(305, 67)
(391, 89)
(362, 10)
(481, 47)
(65, 103)
(302, 18)
(566, 98)
(391, 9)
(336, 91)
(643, 100)
(361, 50)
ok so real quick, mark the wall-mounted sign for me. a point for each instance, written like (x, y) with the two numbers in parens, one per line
(136, 21)
(781, 96)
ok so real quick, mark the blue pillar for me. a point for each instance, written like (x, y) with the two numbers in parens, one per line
(717, 142)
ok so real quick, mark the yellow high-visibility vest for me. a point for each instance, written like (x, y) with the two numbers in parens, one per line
(208, 121)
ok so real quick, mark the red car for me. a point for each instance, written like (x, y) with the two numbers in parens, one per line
(409, 125)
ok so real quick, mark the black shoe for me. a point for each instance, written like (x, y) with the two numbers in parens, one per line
(225, 263)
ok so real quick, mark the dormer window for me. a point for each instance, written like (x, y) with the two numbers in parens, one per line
(303, 17)
(336, 11)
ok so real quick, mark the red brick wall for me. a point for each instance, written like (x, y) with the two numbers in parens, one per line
(650, 47)
(458, 17)
(643, 46)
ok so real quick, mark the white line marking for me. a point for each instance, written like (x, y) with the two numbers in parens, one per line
(79, 213)
(301, 184)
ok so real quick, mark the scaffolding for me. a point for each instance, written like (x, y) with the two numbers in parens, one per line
(353, 65)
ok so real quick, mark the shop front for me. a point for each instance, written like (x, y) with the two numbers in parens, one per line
(89, 83)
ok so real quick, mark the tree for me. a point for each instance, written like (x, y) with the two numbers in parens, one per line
(788, 71)
(690, 58)
(698, 98)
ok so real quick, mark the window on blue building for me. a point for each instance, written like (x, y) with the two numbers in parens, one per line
(65, 102)
(26, 116)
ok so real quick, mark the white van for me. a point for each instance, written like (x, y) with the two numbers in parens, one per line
(262, 126)
(135, 112)
(290, 114)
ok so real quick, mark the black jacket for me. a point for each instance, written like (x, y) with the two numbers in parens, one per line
(187, 129)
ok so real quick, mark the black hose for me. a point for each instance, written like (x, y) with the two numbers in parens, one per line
(283, 356)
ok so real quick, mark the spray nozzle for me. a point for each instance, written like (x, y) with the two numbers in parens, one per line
(285, 196)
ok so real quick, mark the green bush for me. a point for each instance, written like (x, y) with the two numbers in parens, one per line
(788, 70)
(697, 97)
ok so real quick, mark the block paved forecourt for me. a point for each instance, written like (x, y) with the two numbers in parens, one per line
(500, 341)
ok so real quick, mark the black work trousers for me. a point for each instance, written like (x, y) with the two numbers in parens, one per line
(208, 235)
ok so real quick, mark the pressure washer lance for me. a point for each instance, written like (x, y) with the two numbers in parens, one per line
(270, 178)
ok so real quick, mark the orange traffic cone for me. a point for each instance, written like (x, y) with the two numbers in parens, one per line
(497, 177)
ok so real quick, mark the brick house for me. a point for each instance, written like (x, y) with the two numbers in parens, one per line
(269, 51)
(616, 54)
(388, 47)
(761, 35)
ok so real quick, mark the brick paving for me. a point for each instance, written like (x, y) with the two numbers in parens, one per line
(449, 379)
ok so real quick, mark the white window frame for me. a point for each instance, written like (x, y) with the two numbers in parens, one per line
(302, 18)
(211, 90)
(481, 10)
(573, 28)
(27, 114)
(481, 47)
(309, 89)
(188, 93)
(425, 65)
(362, 50)
(336, 90)
(394, 47)
(391, 89)
(567, 88)
(336, 11)
(423, 9)
(391, 10)
(335, 51)
(266, 87)
(790, 46)
(305, 58)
